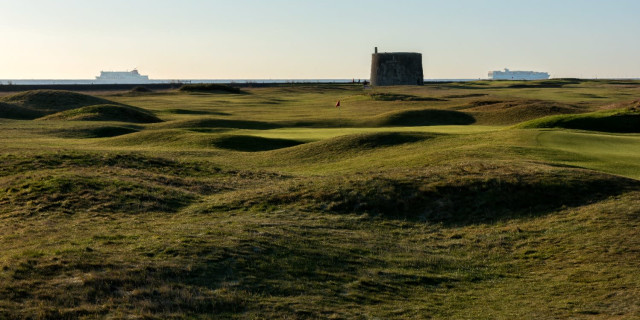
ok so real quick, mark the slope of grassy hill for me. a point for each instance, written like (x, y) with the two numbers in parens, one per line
(105, 112)
(417, 202)
(621, 120)
(42, 102)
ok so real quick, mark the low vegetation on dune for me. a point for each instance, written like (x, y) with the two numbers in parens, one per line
(473, 192)
(105, 112)
(422, 202)
(43, 102)
(625, 120)
(515, 111)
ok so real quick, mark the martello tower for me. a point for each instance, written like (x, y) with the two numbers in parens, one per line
(396, 68)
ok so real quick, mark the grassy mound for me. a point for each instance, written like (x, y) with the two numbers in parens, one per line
(554, 83)
(210, 88)
(140, 89)
(252, 143)
(625, 120)
(106, 112)
(212, 123)
(10, 111)
(72, 193)
(465, 194)
(511, 112)
(378, 96)
(43, 102)
(187, 111)
(333, 148)
(427, 117)
(177, 138)
(75, 183)
(85, 131)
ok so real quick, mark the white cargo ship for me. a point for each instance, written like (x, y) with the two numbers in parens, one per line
(121, 77)
(517, 75)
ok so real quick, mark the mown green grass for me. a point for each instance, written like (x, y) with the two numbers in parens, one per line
(277, 204)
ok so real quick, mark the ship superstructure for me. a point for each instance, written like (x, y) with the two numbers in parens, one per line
(517, 75)
(121, 77)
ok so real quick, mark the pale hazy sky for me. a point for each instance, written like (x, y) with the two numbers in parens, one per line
(298, 39)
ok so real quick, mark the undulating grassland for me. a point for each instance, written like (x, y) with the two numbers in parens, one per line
(475, 200)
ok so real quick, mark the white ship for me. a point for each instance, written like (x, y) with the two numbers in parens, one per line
(517, 75)
(121, 77)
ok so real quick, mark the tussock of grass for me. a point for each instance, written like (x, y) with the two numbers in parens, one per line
(105, 112)
(625, 120)
(210, 88)
(426, 117)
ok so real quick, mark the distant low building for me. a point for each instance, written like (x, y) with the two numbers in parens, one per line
(517, 75)
(131, 77)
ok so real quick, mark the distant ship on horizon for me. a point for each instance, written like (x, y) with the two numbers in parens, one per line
(132, 76)
(517, 75)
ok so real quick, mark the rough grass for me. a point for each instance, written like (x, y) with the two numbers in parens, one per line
(380, 96)
(210, 88)
(622, 120)
(474, 192)
(91, 131)
(213, 123)
(200, 216)
(105, 112)
(252, 143)
(515, 111)
(345, 146)
(428, 117)
(43, 102)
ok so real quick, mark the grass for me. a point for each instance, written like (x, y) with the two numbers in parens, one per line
(418, 202)
(105, 112)
(210, 88)
(618, 120)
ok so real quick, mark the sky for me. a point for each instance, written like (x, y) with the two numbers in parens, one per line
(304, 39)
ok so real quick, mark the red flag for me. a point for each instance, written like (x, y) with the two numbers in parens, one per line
(338, 103)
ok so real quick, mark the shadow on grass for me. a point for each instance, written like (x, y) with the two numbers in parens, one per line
(427, 117)
(186, 111)
(93, 131)
(455, 197)
(220, 123)
(252, 143)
